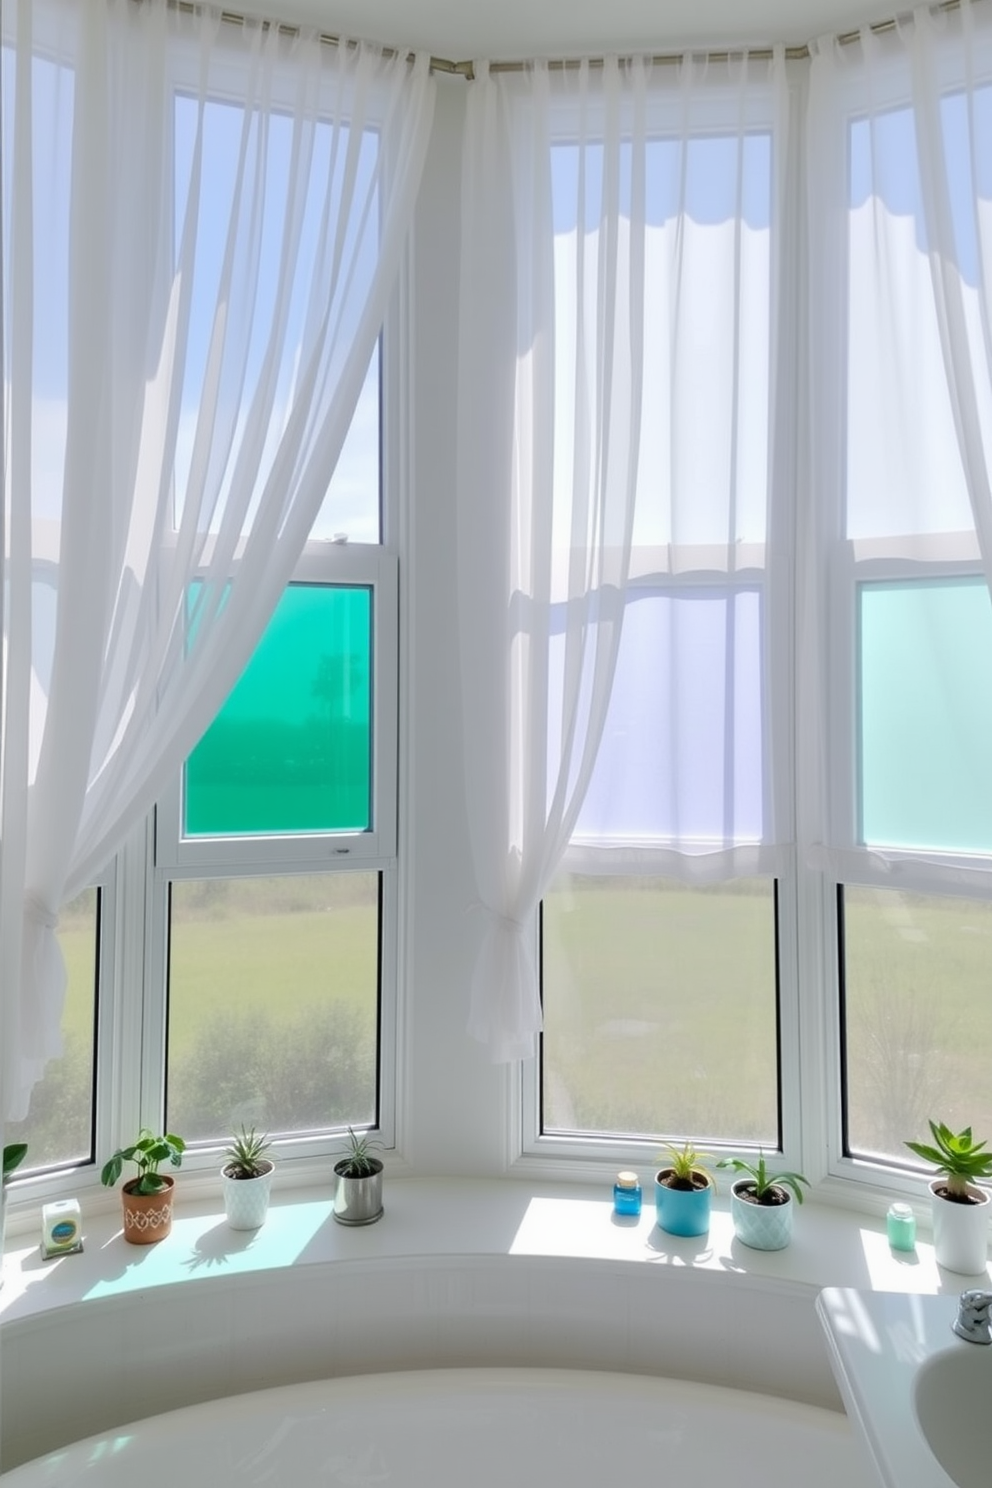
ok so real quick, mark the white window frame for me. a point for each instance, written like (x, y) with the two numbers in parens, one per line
(173, 857)
(332, 565)
(951, 555)
(799, 1022)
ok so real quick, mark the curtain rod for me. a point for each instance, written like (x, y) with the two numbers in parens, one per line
(664, 59)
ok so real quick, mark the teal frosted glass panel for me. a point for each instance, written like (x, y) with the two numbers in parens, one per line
(925, 720)
(291, 749)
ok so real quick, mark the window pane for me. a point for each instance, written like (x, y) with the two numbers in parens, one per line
(273, 1003)
(681, 758)
(291, 749)
(213, 138)
(59, 1125)
(926, 714)
(660, 1008)
(904, 470)
(918, 1016)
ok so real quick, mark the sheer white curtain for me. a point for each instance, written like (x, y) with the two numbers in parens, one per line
(900, 212)
(202, 223)
(616, 395)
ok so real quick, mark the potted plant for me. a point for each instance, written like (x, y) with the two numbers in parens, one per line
(247, 1176)
(358, 1196)
(147, 1199)
(13, 1155)
(761, 1203)
(960, 1209)
(683, 1191)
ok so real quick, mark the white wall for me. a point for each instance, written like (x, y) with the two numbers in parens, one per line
(454, 1111)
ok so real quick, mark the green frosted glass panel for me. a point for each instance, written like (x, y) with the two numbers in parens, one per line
(926, 715)
(291, 749)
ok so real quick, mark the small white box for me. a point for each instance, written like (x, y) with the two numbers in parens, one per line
(61, 1228)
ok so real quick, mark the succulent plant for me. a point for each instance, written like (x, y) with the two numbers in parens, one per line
(358, 1161)
(956, 1155)
(245, 1156)
(763, 1182)
(683, 1162)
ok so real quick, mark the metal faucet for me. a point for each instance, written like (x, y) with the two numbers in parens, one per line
(973, 1321)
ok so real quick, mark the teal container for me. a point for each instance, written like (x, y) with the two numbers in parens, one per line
(682, 1211)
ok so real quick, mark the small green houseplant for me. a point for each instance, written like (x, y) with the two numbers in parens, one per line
(761, 1202)
(358, 1196)
(147, 1199)
(13, 1155)
(247, 1178)
(958, 1158)
(959, 1208)
(683, 1190)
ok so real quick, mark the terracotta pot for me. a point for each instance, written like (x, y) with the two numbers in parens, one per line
(147, 1217)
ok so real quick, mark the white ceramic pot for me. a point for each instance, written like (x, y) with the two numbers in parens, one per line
(761, 1226)
(246, 1200)
(961, 1231)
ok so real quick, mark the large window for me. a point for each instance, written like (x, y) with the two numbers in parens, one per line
(267, 945)
(906, 619)
(272, 984)
(660, 967)
(236, 962)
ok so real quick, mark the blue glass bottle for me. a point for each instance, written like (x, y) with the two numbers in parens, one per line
(627, 1194)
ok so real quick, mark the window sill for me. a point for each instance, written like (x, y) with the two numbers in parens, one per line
(458, 1217)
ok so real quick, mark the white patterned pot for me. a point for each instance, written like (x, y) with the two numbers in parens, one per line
(961, 1231)
(246, 1200)
(761, 1226)
(147, 1217)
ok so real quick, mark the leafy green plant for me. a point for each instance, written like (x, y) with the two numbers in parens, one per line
(764, 1183)
(358, 1161)
(956, 1155)
(684, 1164)
(13, 1155)
(246, 1155)
(147, 1153)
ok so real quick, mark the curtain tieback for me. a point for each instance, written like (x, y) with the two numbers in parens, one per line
(37, 914)
(500, 921)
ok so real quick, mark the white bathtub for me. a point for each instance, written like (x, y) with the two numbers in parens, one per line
(472, 1428)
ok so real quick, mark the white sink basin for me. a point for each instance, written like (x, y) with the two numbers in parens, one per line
(920, 1396)
(952, 1399)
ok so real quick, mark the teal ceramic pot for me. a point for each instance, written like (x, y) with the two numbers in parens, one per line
(682, 1211)
(761, 1226)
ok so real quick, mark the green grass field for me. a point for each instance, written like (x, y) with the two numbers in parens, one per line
(272, 1012)
(659, 1011)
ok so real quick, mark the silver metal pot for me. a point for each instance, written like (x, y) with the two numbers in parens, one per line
(358, 1201)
